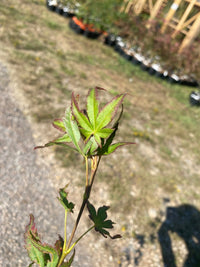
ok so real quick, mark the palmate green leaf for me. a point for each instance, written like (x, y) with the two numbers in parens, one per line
(99, 220)
(95, 123)
(69, 206)
(106, 114)
(72, 129)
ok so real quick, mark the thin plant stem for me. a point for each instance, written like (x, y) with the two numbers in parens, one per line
(66, 252)
(94, 167)
(65, 239)
(85, 199)
(86, 171)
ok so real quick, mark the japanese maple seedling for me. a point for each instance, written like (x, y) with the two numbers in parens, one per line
(89, 132)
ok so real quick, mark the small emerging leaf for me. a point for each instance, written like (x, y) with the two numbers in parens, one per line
(69, 206)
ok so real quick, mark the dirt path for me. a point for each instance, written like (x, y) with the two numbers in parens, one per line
(25, 186)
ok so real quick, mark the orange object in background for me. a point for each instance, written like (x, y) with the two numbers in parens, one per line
(79, 23)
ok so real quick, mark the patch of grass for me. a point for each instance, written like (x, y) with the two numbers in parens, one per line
(53, 25)
(141, 134)
(67, 70)
(166, 150)
(30, 59)
(83, 58)
(34, 45)
(83, 75)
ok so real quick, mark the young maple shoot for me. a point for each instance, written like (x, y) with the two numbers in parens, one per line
(90, 132)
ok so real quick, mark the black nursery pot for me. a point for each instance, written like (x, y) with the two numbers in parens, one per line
(194, 99)
(78, 30)
(159, 74)
(59, 10)
(135, 61)
(144, 67)
(75, 27)
(106, 40)
(189, 83)
(72, 24)
(151, 71)
(91, 35)
(49, 6)
(172, 80)
(119, 49)
(67, 14)
(127, 56)
(110, 40)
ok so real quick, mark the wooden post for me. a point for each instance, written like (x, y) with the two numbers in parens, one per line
(156, 8)
(170, 14)
(154, 11)
(150, 5)
(128, 5)
(138, 7)
(192, 34)
(183, 18)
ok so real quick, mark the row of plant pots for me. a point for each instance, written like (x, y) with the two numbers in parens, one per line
(66, 11)
(75, 24)
(152, 66)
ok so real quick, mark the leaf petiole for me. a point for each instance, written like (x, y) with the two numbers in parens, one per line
(73, 245)
(65, 239)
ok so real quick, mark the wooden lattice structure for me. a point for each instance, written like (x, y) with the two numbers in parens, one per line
(187, 24)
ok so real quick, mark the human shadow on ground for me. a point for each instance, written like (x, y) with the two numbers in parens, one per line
(183, 220)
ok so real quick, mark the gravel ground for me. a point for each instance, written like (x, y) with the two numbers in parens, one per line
(25, 187)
